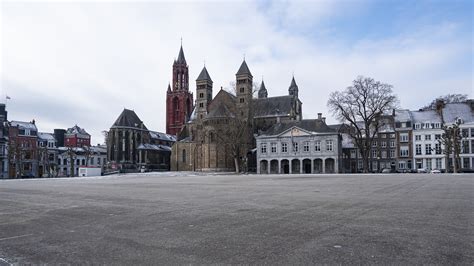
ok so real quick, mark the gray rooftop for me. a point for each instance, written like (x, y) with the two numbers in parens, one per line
(244, 69)
(128, 118)
(273, 106)
(204, 75)
(312, 125)
(23, 125)
(451, 111)
(427, 116)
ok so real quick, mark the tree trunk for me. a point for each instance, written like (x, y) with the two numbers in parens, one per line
(236, 162)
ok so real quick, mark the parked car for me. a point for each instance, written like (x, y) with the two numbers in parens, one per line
(435, 171)
(422, 170)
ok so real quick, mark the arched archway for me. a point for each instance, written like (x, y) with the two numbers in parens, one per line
(263, 167)
(295, 166)
(307, 166)
(330, 165)
(285, 166)
(318, 166)
(274, 167)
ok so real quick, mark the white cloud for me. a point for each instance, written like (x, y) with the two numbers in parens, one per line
(82, 63)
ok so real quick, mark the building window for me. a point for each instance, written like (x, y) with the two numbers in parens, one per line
(465, 146)
(374, 154)
(383, 136)
(392, 153)
(353, 153)
(427, 125)
(403, 151)
(404, 137)
(439, 163)
(383, 144)
(465, 162)
(274, 147)
(465, 132)
(438, 148)
(437, 136)
(359, 164)
(384, 154)
(427, 137)
(242, 90)
(417, 137)
(284, 147)
(374, 143)
(306, 146)
(402, 165)
(428, 149)
(201, 95)
(317, 145)
(295, 146)
(263, 147)
(418, 149)
(329, 144)
(392, 135)
(437, 125)
(392, 143)
(201, 105)
(98, 161)
(242, 100)
(417, 126)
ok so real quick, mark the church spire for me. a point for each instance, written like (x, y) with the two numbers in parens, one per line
(262, 92)
(181, 59)
(293, 90)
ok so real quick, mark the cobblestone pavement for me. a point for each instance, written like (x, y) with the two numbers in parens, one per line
(182, 218)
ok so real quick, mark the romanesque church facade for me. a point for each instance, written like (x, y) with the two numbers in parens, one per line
(219, 134)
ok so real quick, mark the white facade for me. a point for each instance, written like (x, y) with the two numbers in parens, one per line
(297, 150)
(97, 157)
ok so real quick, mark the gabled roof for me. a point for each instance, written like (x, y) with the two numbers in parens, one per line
(310, 125)
(221, 111)
(162, 136)
(76, 130)
(426, 116)
(128, 118)
(222, 105)
(181, 59)
(244, 69)
(272, 106)
(204, 75)
(402, 115)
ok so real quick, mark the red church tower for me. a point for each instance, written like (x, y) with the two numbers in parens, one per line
(179, 101)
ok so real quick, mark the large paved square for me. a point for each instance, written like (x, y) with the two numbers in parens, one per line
(277, 219)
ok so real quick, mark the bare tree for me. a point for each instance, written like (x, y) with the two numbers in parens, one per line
(361, 106)
(449, 98)
(451, 139)
(16, 153)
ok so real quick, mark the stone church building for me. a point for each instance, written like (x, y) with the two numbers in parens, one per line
(219, 134)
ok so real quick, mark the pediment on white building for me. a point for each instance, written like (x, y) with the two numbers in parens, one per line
(295, 132)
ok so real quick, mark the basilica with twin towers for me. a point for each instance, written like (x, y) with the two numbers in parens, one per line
(217, 133)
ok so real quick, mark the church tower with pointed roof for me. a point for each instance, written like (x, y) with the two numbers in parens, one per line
(179, 100)
(203, 93)
(243, 89)
(262, 92)
(293, 90)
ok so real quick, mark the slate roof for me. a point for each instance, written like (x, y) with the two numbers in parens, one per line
(154, 147)
(312, 125)
(272, 106)
(46, 136)
(402, 115)
(426, 116)
(204, 75)
(128, 118)
(244, 69)
(181, 59)
(23, 125)
(451, 111)
(76, 130)
(221, 111)
(162, 136)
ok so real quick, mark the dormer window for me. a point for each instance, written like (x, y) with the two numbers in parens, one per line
(427, 125)
(417, 126)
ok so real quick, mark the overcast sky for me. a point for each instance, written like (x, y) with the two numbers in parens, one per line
(83, 62)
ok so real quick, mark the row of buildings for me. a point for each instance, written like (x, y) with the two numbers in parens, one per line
(269, 135)
(26, 152)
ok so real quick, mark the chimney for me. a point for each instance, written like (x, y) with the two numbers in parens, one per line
(439, 106)
(319, 116)
(324, 120)
(33, 121)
